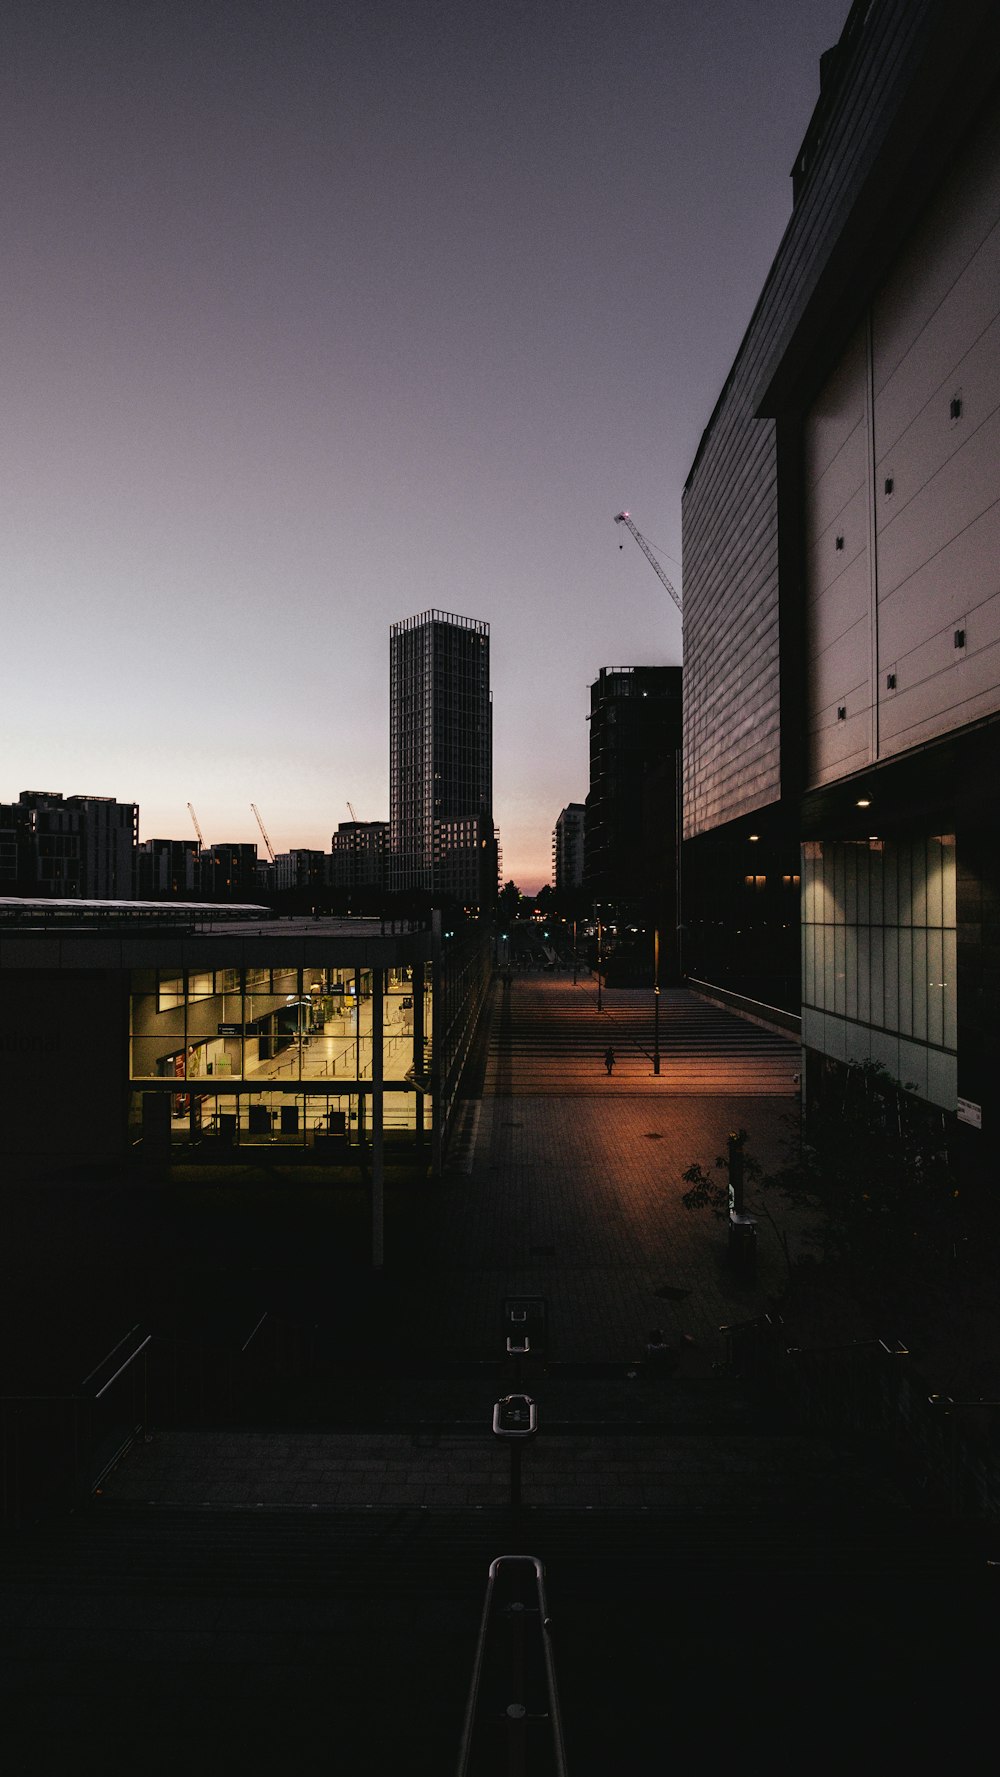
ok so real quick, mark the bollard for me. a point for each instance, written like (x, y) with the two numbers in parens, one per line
(515, 1417)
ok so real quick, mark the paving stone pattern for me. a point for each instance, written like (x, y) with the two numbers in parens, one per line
(306, 1596)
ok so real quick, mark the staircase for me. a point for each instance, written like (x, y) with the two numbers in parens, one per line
(270, 1598)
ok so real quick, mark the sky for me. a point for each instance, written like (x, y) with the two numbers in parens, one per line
(317, 316)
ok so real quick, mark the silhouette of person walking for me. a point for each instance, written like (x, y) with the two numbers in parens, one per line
(609, 1059)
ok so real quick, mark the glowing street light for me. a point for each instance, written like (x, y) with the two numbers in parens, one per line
(656, 999)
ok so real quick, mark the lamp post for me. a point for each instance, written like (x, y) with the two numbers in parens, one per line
(574, 953)
(599, 1006)
(656, 999)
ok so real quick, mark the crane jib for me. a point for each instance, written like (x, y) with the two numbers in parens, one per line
(623, 518)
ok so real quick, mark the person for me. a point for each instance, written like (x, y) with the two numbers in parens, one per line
(609, 1058)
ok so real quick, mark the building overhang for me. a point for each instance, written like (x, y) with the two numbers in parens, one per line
(932, 788)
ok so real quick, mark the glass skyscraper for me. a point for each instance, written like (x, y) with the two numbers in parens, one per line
(441, 758)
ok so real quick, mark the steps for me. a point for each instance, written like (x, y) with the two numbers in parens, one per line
(281, 1639)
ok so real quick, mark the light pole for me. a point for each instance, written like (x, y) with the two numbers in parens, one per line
(656, 999)
(599, 1006)
(574, 953)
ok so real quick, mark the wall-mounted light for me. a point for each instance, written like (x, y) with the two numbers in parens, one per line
(864, 802)
(753, 837)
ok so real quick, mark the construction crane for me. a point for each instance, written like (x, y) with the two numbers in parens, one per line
(267, 842)
(623, 518)
(201, 836)
(354, 816)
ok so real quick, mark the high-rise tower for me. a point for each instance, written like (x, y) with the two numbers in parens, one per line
(441, 758)
(631, 820)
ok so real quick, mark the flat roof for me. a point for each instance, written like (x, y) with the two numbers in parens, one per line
(27, 910)
(176, 935)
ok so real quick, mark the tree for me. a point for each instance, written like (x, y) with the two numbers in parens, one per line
(877, 1173)
(508, 904)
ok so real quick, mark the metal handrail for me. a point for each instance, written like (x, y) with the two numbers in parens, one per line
(251, 1336)
(892, 1348)
(123, 1367)
(515, 1714)
(108, 1356)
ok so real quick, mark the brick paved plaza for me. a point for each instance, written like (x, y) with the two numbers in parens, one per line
(303, 1593)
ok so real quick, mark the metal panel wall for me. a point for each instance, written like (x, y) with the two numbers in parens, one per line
(838, 570)
(902, 447)
(907, 81)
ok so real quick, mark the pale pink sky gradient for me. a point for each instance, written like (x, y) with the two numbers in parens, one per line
(319, 315)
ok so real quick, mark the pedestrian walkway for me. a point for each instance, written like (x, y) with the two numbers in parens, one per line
(567, 1184)
(718, 1463)
(550, 1036)
(305, 1593)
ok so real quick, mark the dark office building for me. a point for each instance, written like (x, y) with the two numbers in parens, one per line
(168, 870)
(12, 826)
(70, 846)
(358, 855)
(630, 823)
(841, 601)
(230, 873)
(302, 870)
(441, 835)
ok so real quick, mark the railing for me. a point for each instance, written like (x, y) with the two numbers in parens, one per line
(757, 1011)
(512, 1720)
(963, 1440)
(859, 1384)
(753, 1348)
(868, 1388)
(118, 1395)
(56, 1449)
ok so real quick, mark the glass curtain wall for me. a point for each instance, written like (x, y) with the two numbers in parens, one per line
(239, 1044)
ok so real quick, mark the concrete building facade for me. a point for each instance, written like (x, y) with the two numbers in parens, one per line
(842, 610)
(168, 870)
(567, 848)
(70, 845)
(358, 856)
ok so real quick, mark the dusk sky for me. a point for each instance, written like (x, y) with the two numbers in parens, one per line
(316, 316)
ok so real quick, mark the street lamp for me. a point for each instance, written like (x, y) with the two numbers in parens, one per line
(574, 953)
(656, 999)
(599, 1006)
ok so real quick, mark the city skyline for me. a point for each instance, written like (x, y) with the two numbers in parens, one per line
(321, 317)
